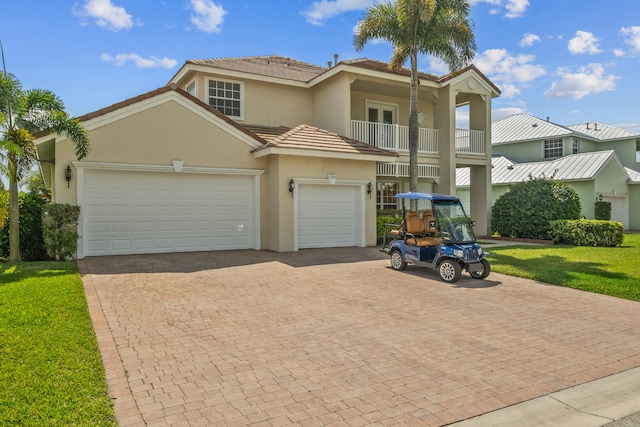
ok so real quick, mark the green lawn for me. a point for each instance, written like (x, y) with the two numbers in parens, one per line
(50, 367)
(609, 271)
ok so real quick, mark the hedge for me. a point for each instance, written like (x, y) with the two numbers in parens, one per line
(587, 232)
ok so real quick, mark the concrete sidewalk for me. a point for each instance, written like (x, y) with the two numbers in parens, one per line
(336, 337)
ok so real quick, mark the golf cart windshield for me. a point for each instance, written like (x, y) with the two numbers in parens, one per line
(455, 227)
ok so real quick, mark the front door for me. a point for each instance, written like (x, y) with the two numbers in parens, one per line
(382, 129)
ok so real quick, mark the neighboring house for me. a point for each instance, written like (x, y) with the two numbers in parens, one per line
(597, 160)
(267, 152)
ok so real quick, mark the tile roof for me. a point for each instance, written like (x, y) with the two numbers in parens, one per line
(305, 137)
(269, 66)
(604, 132)
(373, 65)
(575, 167)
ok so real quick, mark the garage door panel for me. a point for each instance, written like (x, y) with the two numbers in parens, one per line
(328, 216)
(145, 212)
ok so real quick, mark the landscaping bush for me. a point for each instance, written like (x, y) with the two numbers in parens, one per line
(389, 212)
(603, 211)
(31, 240)
(587, 232)
(527, 210)
(382, 222)
(60, 222)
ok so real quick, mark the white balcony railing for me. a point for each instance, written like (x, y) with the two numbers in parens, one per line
(393, 137)
(396, 138)
(470, 142)
(399, 169)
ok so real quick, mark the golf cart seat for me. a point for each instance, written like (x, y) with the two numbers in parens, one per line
(420, 231)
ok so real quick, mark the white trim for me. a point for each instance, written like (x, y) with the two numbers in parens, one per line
(165, 168)
(319, 181)
(380, 105)
(324, 154)
(206, 98)
(160, 99)
(80, 186)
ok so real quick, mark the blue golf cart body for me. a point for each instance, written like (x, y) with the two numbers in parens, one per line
(441, 238)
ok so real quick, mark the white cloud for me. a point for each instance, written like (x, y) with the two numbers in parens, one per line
(529, 39)
(208, 16)
(437, 65)
(584, 42)
(586, 81)
(633, 127)
(514, 8)
(140, 62)
(632, 36)
(106, 14)
(619, 52)
(501, 113)
(324, 9)
(508, 70)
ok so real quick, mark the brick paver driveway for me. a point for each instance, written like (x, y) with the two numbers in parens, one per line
(323, 337)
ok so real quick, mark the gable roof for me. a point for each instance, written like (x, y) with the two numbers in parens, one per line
(525, 127)
(575, 167)
(268, 66)
(604, 132)
(313, 141)
(280, 67)
(634, 176)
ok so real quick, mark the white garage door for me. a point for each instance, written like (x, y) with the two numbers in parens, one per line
(619, 209)
(329, 216)
(147, 212)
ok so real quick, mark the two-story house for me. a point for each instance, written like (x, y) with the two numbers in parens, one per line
(599, 161)
(267, 152)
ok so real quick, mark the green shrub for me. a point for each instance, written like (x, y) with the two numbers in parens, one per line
(382, 222)
(587, 232)
(31, 240)
(60, 222)
(389, 212)
(603, 211)
(527, 210)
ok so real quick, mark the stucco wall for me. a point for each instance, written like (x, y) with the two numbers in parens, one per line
(287, 167)
(277, 105)
(331, 100)
(634, 207)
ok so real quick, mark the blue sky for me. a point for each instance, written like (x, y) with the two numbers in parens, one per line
(575, 61)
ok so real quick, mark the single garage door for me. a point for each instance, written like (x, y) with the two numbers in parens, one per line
(147, 212)
(329, 216)
(619, 209)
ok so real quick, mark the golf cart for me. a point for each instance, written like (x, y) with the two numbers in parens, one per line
(441, 238)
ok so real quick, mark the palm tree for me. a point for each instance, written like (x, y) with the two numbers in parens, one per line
(440, 28)
(24, 113)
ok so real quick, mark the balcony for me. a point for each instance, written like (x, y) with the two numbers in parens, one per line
(393, 137)
(396, 138)
(401, 170)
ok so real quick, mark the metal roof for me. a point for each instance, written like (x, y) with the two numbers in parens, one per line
(634, 176)
(575, 167)
(604, 132)
(524, 127)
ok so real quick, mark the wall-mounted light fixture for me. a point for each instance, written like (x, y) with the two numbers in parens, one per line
(599, 198)
(369, 189)
(68, 173)
(292, 186)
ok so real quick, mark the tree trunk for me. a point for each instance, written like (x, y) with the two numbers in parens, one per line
(14, 217)
(413, 129)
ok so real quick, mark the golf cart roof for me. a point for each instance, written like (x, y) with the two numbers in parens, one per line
(427, 196)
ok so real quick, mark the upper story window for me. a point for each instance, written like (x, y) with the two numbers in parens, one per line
(552, 148)
(191, 88)
(226, 97)
(575, 148)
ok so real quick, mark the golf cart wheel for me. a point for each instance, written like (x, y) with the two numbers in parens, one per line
(397, 263)
(450, 270)
(486, 269)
